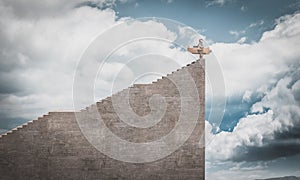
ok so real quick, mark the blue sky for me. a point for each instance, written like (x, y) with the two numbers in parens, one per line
(220, 21)
(255, 43)
(215, 20)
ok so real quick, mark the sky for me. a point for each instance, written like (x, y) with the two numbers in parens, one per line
(254, 42)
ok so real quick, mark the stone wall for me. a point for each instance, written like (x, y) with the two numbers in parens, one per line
(53, 146)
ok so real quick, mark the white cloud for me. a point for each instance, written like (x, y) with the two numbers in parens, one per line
(34, 9)
(39, 56)
(258, 23)
(136, 5)
(242, 40)
(237, 33)
(244, 8)
(143, 56)
(247, 96)
(217, 2)
(269, 67)
(248, 66)
(250, 131)
(168, 1)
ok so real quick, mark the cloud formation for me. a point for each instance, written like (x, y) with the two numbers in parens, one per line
(217, 2)
(38, 57)
(36, 9)
(268, 69)
(41, 44)
(40, 50)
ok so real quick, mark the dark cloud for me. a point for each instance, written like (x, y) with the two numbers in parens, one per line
(8, 87)
(283, 178)
(271, 134)
(94, 4)
(14, 84)
(101, 5)
(267, 152)
(286, 144)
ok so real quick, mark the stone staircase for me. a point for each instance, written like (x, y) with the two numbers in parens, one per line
(21, 126)
(101, 102)
(53, 146)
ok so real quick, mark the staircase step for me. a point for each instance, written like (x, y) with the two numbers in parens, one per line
(135, 88)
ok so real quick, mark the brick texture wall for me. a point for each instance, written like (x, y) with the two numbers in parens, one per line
(54, 147)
